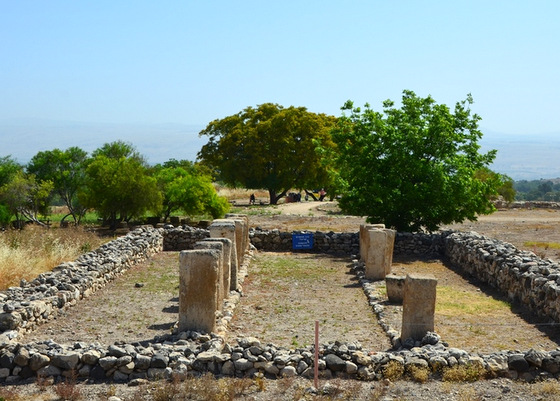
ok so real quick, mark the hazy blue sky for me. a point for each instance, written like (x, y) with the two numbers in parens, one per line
(147, 63)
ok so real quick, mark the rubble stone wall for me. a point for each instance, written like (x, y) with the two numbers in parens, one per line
(39, 300)
(522, 275)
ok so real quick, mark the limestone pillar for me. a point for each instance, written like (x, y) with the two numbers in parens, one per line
(224, 228)
(389, 250)
(364, 246)
(245, 234)
(198, 284)
(218, 246)
(395, 288)
(379, 245)
(226, 263)
(419, 305)
(239, 239)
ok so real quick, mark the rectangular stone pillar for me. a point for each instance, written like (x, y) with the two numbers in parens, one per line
(245, 241)
(363, 237)
(391, 234)
(198, 284)
(226, 263)
(379, 244)
(395, 288)
(218, 246)
(224, 228)
(419, 305)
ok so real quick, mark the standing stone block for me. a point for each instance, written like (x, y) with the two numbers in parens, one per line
(198, 285)
(224, 228)
(419, 305)
(390, 247)
(226, 263)
(379, 255)
(239, 238)
(245, 234)
(395, 288)
(206, 244)
(363, 237)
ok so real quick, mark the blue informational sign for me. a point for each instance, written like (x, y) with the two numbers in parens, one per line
(302, 241)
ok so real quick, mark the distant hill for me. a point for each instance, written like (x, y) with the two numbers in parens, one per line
(525, 157)
(158, 142)
(522, 157)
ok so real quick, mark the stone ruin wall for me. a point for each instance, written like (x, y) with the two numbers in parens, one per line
(41, 299)
(523, 276)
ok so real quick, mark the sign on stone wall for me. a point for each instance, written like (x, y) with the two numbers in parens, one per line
(302, 241)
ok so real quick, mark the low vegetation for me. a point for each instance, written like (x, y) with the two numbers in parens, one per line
(34, 250)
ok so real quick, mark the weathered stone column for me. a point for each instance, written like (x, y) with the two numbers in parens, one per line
(245, 233)
(391, 234)
(218, 246)
(198, 284)
(239, 239)
(364, 239)
(379, 254)
(395, 288)
(226, 263)
(419, 305)
(224, 228)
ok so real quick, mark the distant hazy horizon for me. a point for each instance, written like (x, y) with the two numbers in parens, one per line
(522, 157)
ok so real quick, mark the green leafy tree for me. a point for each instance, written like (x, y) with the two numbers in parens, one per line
(66, 170)
(413, 168)
(119, 189)
(5, 215)
(184, 188)
(503, 183)
(25, 197)
(8, 170)
(268, 147)
(119, 149)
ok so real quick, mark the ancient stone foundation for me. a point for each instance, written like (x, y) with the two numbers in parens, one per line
(521, 275)
(39, 300)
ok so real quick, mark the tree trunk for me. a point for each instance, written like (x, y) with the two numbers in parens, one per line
(64, 218)
(274, 197)
(113, 221)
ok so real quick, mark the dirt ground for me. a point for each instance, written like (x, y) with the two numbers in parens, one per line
(281, 305)
(282, 308)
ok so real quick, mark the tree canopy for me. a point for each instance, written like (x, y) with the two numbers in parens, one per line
(185, 188)
(119, 188)
(269, 147)
(413, 167)
(24, 196)
(66, 170)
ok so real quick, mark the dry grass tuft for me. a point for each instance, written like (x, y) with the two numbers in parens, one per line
(548, 389)
(206, 387)
(67, 390)
(34, 250)
(419, 374)
(393, 371)
(464, 373)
